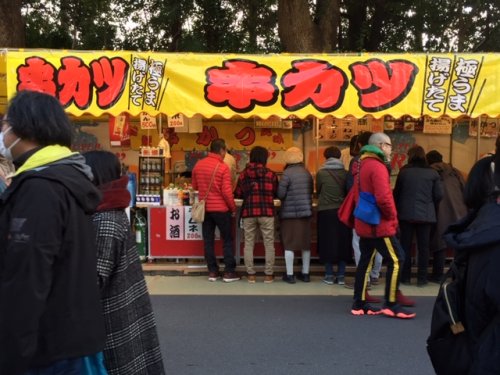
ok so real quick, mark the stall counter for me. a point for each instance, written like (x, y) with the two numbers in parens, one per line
(172, 234)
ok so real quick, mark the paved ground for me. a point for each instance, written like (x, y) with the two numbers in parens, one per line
(198, 285)
(218, 328)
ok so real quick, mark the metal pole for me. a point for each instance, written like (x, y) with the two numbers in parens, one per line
(316, 127)
(478, 138)
(451, 143)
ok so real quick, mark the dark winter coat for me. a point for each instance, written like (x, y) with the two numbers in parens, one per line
(452, 206)
(417, 193)
(374, 178)
(132, 346)
(295, 190)
(479, 235)
(49, 299)
(334, 238)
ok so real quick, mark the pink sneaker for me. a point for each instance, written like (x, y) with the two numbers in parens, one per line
(396, 311)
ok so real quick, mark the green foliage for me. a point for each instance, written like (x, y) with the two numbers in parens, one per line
(76, 24)
(202, 26)
(424, 25)
(250, 26)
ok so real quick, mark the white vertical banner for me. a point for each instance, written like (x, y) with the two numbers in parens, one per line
(175, 223)
(193, 229)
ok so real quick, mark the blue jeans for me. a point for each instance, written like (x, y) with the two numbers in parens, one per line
(221, 220)
(340, 270)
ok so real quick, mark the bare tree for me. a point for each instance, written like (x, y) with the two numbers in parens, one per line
(12, 33)
(303, 28)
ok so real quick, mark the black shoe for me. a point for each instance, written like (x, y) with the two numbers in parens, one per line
(363, 308)
(304, 277)
(290, 279)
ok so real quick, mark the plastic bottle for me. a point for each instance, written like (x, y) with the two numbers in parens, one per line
(131, 187)
(140, 227)
(185, 197)
(180, 197)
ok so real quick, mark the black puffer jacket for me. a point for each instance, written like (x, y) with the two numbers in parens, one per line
(479, 235)
(417, 193)
(49, 299)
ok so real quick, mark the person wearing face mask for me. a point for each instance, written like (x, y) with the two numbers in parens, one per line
(373, 177)
(6, 152)
(50, 312)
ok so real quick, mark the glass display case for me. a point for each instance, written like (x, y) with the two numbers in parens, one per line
(150, 183)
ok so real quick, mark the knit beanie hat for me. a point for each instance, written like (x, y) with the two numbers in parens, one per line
(293, 155)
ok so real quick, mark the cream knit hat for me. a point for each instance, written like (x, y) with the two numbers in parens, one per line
(293, 155)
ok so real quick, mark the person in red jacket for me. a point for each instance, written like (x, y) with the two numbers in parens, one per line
(373, 177)
(219, 208)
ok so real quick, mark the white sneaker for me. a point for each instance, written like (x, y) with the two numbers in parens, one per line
(229, 277)
(213, 276)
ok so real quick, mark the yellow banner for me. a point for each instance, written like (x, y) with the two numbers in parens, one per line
(98, 82)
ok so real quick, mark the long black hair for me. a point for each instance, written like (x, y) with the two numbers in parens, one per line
(105, 166)
(483, 183)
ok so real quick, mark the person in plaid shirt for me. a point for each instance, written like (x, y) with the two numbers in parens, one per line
(257, 186)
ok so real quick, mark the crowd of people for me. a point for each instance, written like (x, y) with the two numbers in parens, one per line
(74, 297)
(418, 206)
(428, 197)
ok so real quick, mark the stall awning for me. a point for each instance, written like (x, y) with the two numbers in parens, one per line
(114, 82)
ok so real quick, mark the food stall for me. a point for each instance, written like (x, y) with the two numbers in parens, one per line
(133, 102)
